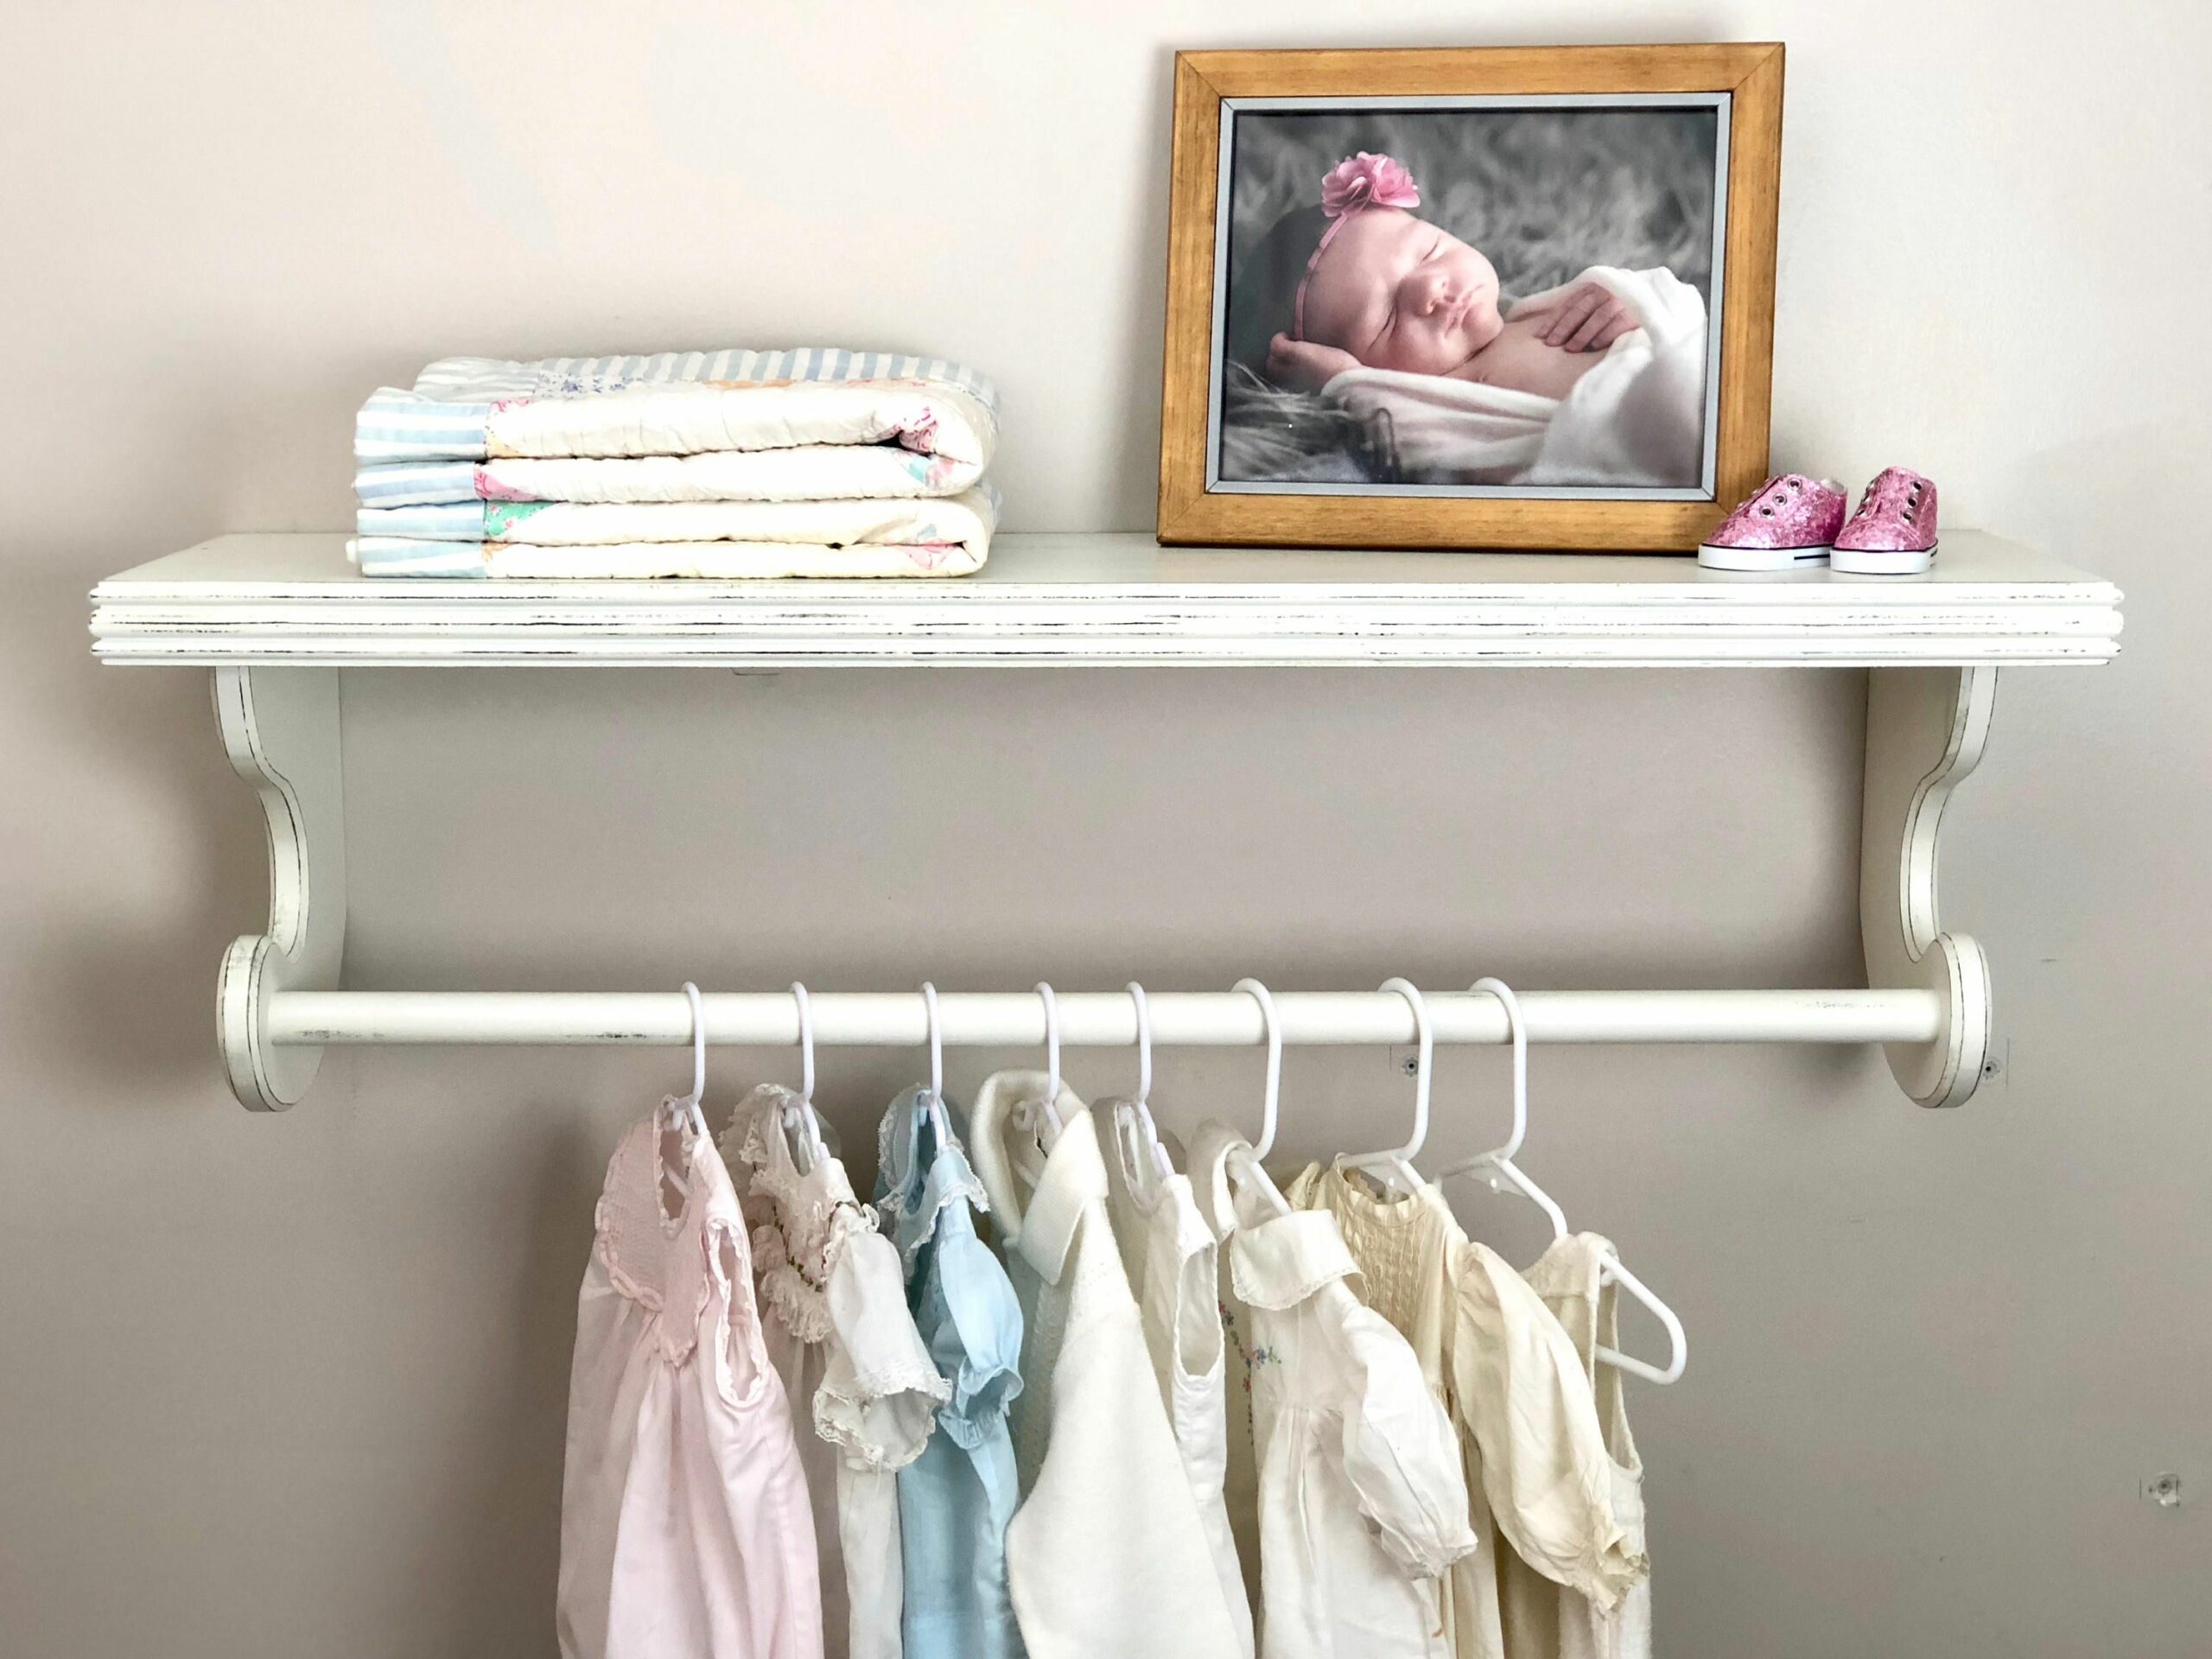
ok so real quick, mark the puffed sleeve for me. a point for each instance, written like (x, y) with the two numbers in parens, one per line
(979, 1347)
(1399, 1448)
(1547, 1472)
(879, 1388)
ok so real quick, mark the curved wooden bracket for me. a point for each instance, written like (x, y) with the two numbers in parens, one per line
(1925, 731)
(281, 727)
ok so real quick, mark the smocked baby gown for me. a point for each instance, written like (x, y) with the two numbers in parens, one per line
(684, 1524)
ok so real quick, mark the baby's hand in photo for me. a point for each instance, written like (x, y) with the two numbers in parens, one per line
(1302, 364)
(1589, 318)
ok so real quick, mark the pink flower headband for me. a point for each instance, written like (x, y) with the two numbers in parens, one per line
(1353, 185)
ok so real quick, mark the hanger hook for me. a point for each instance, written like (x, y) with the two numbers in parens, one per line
(936, 1042)
(1141, 1105)
(1270, 1109)
(805, 1042)
(689, 1104)
(698, 1043)
(1518, 1029)
(1426, 1055)
(1052, 1053)
(1144, 1043)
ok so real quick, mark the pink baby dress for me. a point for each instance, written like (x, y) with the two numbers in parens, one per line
(685, 1528)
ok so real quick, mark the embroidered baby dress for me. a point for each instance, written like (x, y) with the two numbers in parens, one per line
(1363, 1507)
(956, 1500)
(861, 1384)
(684, 1524)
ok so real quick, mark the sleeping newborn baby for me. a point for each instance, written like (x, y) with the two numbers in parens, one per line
(1598, 382)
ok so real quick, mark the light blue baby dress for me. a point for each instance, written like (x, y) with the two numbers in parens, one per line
(955, 1500)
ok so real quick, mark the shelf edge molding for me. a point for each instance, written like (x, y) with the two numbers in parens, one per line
(1078, 601)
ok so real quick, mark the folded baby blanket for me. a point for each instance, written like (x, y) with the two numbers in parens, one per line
(946, 536)
(805, 424)
(385, 555)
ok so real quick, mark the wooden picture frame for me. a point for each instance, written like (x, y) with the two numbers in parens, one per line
(1199, 503)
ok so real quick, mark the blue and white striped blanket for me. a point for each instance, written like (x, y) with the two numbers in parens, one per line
(810, 423)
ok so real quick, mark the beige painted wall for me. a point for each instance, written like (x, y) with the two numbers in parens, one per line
(295, 1385)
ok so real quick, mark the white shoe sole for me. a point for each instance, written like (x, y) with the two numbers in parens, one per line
(1761, 558)
(1861, 561)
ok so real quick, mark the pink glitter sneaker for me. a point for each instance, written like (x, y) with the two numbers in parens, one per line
(1893, 532)
(1788, 526)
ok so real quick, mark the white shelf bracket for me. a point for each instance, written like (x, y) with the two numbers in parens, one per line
(1926, 728)
(281, 727)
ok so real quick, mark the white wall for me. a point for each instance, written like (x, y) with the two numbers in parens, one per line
(295, 1385)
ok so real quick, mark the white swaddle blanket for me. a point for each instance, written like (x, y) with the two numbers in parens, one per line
(805, 424)
(941, 536)
(1636, 419)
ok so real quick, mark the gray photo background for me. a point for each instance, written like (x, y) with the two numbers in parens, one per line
(1544, 193)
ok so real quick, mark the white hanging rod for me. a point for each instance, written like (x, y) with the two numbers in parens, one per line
(1097, 1018)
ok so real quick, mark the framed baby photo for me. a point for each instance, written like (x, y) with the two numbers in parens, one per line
(1510, 298)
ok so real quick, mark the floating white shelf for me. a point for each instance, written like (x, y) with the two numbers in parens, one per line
(276, 616)
(1078, 600)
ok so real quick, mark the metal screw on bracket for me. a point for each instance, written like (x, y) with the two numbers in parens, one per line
(2165, 1490)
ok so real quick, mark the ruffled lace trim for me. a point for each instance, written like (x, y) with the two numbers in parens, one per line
(911, 1208)
(687, 1247)
(800, 1306)
(981, 1396)
(801, 1222)
(910, 1392)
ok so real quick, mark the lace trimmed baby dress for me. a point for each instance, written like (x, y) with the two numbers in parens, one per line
(684, 1525)
(861, 1380)
(957, 1500)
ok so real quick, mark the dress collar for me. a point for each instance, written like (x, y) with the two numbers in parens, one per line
(1061, 1185)
(1277, 1262)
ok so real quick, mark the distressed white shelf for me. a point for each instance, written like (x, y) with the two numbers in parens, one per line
(276, 616)
(1077, 600)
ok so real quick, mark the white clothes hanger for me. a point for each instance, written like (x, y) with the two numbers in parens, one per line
(685, 1115)
(1272, 1104)
(1246, 1159)
(1397, 1165)
(1134, 1132)
(1499, 1172)
(801, 1123)
(935, 1099)
(1042, 1117)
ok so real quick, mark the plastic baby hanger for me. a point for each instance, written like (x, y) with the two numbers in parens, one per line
(1499, 1172)
(1272, 1104)
(801, 1122)
(935, 1099)
(684, 1111)
(1042, 1117)
(1247, 1160)
(1135, 1131)
(1397, 1165)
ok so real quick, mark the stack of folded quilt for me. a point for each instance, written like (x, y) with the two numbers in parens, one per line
(810, 462)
